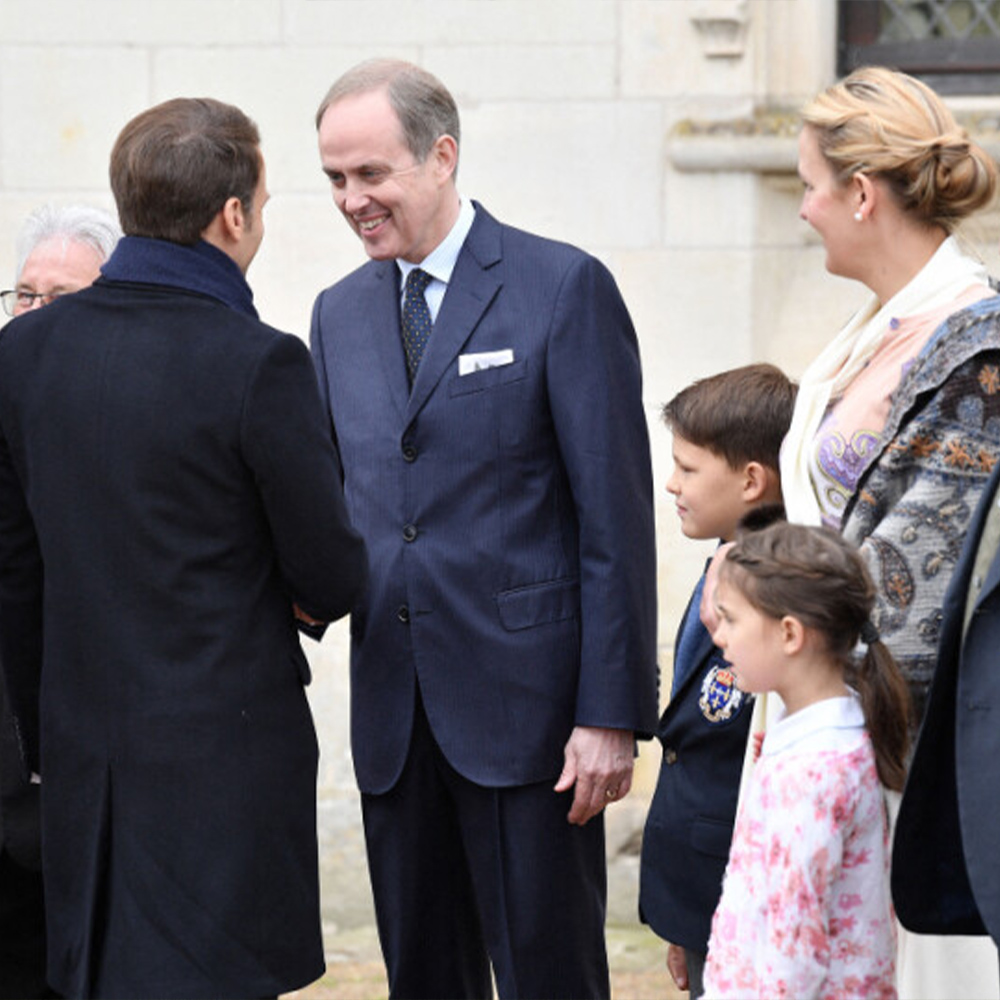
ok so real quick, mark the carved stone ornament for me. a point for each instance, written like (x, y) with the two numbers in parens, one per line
(722, 27)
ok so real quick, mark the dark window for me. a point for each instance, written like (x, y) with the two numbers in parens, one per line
(953, 45)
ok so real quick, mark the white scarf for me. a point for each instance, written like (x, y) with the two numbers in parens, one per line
(942, 279)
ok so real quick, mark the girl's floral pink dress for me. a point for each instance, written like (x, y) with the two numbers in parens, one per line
(805, 908)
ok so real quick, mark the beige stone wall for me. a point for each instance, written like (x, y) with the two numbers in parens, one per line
(586, 120)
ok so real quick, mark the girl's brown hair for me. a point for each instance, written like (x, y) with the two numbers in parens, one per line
(887, 124)
(816, 576)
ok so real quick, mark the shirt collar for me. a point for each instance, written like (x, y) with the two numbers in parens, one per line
(831, 713)
(440, 262)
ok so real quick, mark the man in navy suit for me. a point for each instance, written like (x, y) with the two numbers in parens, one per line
(169, 496)
(496, 461)
(945, 868)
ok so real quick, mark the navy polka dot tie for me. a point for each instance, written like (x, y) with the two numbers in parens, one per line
(416, 320)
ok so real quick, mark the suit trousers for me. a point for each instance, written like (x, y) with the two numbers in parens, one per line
(464, 876)
(696, 972)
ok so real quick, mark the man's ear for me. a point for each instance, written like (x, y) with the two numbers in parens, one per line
(233, 218)
(444, 153)
(226, 230)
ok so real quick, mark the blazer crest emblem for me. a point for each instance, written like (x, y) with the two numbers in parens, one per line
(720, 698)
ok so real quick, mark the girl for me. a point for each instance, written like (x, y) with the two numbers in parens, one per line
(805, 908)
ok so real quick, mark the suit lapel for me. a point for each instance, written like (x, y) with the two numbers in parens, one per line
(383, 331)
(992, 580)
(472, 288)
(963, 570)
(695, 659)
(699, 652)
(704, 647)
(958, 587)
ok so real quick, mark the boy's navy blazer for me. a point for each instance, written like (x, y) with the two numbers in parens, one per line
(508, 512)
(945, 875)
(689, 828)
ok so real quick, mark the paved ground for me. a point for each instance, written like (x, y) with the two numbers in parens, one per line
(354, 970)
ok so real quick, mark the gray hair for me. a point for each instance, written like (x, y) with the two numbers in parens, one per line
(424, 106)
(94, 227)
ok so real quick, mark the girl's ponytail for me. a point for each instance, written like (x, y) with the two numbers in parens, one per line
(885, 700)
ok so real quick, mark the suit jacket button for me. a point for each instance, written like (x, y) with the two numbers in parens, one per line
(409, 453)
(670, 756)
(409, 533)
(403, 614)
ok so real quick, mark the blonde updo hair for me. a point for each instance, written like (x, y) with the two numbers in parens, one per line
(887, 124)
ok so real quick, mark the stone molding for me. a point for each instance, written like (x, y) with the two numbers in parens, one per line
(767, 142)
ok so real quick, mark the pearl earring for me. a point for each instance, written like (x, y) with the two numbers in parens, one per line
(858, 217)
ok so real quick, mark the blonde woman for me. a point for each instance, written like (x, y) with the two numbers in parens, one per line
(897, 422)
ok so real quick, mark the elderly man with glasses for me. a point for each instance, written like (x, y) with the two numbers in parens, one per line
(60, 249)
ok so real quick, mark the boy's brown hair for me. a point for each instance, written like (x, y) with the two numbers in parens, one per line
(742, 414)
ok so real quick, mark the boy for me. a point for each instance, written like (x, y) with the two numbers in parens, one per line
(727, 430)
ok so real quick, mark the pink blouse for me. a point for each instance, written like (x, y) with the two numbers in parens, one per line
(805, 908)
(849, 434)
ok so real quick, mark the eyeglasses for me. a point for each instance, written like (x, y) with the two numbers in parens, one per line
(15, 300)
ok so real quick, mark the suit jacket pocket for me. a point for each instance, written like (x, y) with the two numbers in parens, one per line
(539, 604)
(711, 836)
(487, 378)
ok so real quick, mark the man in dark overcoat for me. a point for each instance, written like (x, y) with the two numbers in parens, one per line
(169, 496)
(945, 873)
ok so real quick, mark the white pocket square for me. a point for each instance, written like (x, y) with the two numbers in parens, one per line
(468, 363)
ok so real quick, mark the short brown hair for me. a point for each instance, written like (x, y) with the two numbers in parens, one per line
(742, 414)
(175, 165)
(423, 104)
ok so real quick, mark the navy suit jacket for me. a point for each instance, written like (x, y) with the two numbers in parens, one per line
(945, 872)
(508, 512)
(685, 844)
